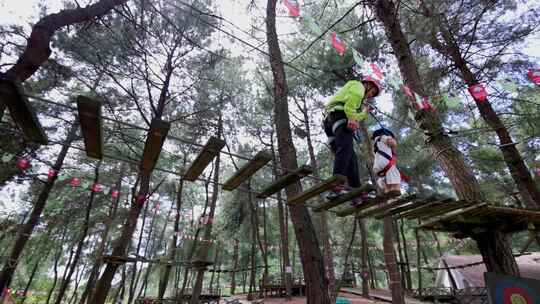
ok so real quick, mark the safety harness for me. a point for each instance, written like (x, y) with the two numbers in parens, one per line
(392, 161)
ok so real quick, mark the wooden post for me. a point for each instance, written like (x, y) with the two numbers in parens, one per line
(12, 96)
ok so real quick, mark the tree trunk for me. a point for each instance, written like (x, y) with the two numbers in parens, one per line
(310, 253)
(235, 266)
(208, 228)
(519, 171)
(86, 226)
(39, 205)
(449, 158)
(365, 258)
(418, 259)
(172, 247)
(492, 245)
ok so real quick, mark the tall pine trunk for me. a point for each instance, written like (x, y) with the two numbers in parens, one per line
(310, 253)
(449, 158)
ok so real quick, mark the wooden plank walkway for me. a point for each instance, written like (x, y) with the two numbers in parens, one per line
(24, 116)
(89, 111)
(285, 180)
(344, 198)
(154, 143)
(318, 189)
(205, 157)
(245, 172)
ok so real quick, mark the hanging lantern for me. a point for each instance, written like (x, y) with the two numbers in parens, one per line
(478, 92)
(376, 71)
(51, 174)
(426, 105)
(338, 44)
(293, 7)
(534, 76)
(115, 193)
(96, 188)
(23, 163)
(75, 182)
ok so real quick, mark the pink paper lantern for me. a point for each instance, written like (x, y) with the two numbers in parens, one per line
(376, 71)
(96, 188)
(478, 92)
(51, 174)
(23, 163)
(426, 105)
(534, 76)
(75, 182)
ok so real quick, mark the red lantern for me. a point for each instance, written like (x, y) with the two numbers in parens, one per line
(534, 76)
(115, 193)
(75, 182)
(51, 174)
(338, 44)
(23, 163)
(293, 7)
(96, 188)
(478, 92)
(426, 105)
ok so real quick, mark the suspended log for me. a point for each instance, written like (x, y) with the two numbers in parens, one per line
(346, 197)
(12, 96)
(154, 143)
(285, 180)
(91, 126)
(261, 159)
(205, 157)
(318, 189)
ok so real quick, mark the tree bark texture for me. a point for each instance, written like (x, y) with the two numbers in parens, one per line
(450, 159)
(39, 205)
(310, 253)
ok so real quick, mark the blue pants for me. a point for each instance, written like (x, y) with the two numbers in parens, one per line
(341, 143)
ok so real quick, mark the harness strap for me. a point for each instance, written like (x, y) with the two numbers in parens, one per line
(337, 124)
(392, 160)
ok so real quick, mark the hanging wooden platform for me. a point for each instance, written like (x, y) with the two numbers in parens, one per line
(205, 157)
(482, 217)
(318, 189)
(367, 208)
(370, 202)
(12, 95)
(154, 143)
(285, 180)
(344, 198)
(261, 159)
(91, 126)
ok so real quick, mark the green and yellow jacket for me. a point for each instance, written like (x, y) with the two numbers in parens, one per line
(349, 99)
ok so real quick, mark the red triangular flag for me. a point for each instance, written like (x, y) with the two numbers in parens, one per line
(115, 193)
(376, 71)
(478, 92)
(338, 44)
(96, 187)
(426, 105)
(534, 76)
(51, 174)
(407, 91)
(293, 7)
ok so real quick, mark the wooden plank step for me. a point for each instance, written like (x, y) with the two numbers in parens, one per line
(261, 159)
(412, 205)
(344, 198)
(386, 209)
(371, 202)
(443, 208)
(12, 96)
(318, 189)
(154, 143)
(426, 205)
(89, 111)
(449, 217)
(372, 211)
(205, 157)
(285, 180)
